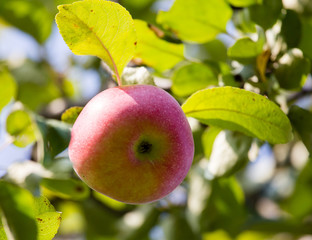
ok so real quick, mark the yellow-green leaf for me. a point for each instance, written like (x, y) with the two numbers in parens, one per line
(196, 21)
(71, 114)
(240, 110)
(191, 78)
(48, 224)
(20, 126)
(156, 52)
(101, 28)
(7, 89)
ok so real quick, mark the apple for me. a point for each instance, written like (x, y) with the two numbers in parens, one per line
(132, 143)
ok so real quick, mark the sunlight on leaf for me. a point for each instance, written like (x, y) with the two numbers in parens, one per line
(17, 206)
(244, 3)
(191, 78)
(48, 220)
(267, 13)
(55, 138)
(101, 28)
(156, 52)
(7, 89)
(66, 188)
(195, 21)
(32, 17)
(240, 110)
(293, 69)
(245, 50)
(301, 120)
(71, 114)
(20, 126)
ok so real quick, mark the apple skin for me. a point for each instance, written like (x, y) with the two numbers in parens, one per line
(132, 143)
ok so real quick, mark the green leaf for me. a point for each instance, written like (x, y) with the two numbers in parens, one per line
(292, 70)
(240, 110)
(17, 207)
(244, 3)
(291, 29)
(3, 235)
(48, 224)
(48, 220)
(229, 154)
(55, 138)
(208, 139)
(301, 120)
(177, 227)
(42, 205)
(305, 43)
(29, 16)
(156, 52)
(242, 21)
(191, 78)
(225, 207)
(245, 50)
(21, 127)
(36, 84)
(101, 28)
(213, 50)
(299, 204)
(195, 21)
(71, 114)
(266, 14)
(8, 88)
(66, 188)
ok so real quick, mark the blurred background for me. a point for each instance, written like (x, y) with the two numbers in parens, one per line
(238, 187)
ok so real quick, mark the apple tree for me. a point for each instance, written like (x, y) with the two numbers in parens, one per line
(217, 91)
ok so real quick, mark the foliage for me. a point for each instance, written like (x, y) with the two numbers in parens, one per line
(241, 70)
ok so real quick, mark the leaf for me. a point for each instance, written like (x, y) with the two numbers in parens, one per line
(225, 207)
(208, 139)
(101, 28)
(71, 114)
(191, 78)
(154, 51)
(229, 154)
(262, 61)
(214, 50)
(245, 50)
(195, 21)
(48, 224)
(21, 127)
(301, 120)
(32, 17)
(66, 188)
(48, 220)
(8, 88)
(291, 29)
(3, 235)
(240, 110)
(17, 206)
(177, 227)
(242, 21)
(244, 3)
(305, 42)
(55, 138)
(292, 70)
(36, 84)
(267, 13)
(299, 204)
(42, 205)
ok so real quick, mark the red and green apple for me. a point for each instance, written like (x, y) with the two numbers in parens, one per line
(132, 143)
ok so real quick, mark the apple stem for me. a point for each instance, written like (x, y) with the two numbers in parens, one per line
(118, 79)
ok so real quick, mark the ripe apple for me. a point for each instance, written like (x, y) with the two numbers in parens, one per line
(132, 143)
